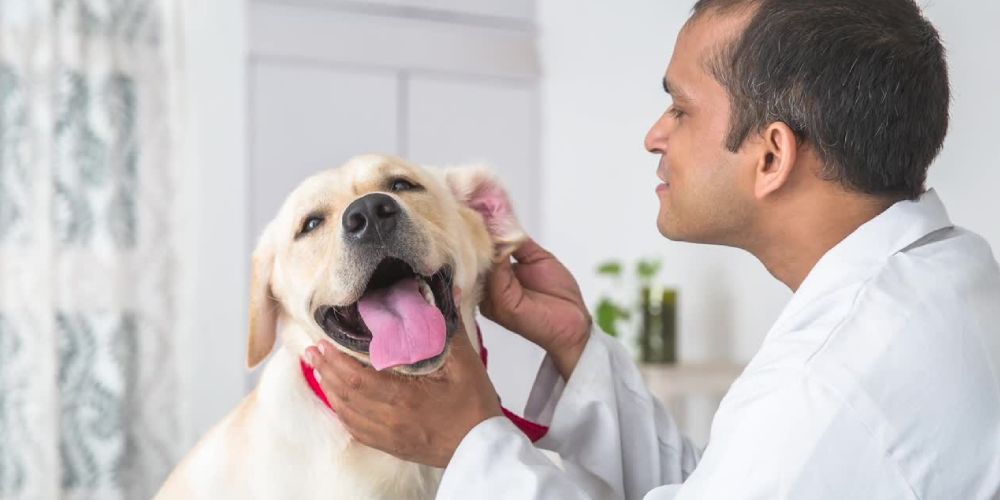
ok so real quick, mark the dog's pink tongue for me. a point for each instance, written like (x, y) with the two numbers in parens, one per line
(405, 328)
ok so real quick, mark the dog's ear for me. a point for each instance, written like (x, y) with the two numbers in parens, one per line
(480, 189)
(263, 306)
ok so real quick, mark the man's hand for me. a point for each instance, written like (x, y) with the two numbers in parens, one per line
(538, 299)
(419, 419)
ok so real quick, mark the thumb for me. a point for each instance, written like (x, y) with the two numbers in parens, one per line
(460, 341)
(465, 360)
(502, 288)
(461, 344)
(530, 251)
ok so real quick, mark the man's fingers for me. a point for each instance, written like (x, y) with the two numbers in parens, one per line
(334, 365)
(362, 425)
(343, 373)
(461, 346)
(359, 411)
(364, 418)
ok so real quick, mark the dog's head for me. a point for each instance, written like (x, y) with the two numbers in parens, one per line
(367, 255)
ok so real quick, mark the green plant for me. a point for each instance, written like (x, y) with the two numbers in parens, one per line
(610, 313)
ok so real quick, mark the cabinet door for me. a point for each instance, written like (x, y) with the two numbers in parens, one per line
(451, 121)
(306, 118)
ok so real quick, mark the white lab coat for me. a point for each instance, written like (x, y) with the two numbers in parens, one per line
(879, 380)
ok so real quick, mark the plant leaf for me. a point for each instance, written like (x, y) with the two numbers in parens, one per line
(606, 317)
(610, 268)
(647, 269)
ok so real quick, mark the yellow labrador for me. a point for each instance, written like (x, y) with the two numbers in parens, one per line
(365, 255)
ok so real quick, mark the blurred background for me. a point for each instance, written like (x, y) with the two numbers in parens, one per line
(144, 144)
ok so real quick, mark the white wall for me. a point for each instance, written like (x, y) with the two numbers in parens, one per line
(215, 265)
(967, 173)
(602, 64)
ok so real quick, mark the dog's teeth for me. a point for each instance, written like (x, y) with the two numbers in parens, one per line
(425, 290)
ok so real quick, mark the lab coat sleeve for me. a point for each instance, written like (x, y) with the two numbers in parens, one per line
(613, 438)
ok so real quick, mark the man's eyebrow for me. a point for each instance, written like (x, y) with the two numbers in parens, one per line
(675, 92)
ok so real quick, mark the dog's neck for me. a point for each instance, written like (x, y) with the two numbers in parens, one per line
(531, 429)
(291, 419)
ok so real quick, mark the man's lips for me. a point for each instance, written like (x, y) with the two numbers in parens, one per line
(663, 177)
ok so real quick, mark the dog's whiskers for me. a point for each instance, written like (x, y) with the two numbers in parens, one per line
(336, 312)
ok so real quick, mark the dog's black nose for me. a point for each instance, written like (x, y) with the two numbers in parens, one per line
(370, 218)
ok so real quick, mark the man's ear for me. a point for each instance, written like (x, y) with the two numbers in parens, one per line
(480, 189)
(263, 305)
(779, 153)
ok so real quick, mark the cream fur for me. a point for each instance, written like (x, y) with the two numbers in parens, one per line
(281, 442)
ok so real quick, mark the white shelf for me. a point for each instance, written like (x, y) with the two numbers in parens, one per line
(675, 381)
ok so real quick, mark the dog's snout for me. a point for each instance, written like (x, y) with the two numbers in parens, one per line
(370, 217)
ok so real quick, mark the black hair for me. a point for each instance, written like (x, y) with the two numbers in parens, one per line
(864, 82)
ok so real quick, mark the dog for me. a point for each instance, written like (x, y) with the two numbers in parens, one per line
(351, 250)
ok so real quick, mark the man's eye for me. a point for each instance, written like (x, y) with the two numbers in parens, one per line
(676, 113)
(403, 185)
(310, 224)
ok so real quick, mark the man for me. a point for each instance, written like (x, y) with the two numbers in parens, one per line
(800, 131)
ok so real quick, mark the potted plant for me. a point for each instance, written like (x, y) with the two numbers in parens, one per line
(655, 308)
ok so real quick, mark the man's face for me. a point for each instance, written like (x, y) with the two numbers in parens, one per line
(706, 188)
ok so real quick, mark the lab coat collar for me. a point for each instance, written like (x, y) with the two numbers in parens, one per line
(869, 246)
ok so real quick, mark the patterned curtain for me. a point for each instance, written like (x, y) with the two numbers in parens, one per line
(87, 292)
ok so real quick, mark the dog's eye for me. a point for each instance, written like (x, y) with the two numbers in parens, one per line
(310, 224)
(403, 185)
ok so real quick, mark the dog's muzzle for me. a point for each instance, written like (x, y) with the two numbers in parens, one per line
(401, 319)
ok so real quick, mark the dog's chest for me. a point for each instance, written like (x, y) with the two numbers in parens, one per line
(351, 472)
(323, 482)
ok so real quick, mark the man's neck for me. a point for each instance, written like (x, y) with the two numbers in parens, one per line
(800, 232)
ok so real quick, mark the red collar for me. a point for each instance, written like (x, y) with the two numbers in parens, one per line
(532, 430)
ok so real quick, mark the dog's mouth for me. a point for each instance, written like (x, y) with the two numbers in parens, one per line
(402, 319)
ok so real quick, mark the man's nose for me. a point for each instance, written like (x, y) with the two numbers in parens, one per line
(656, 138)
(370, 218)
